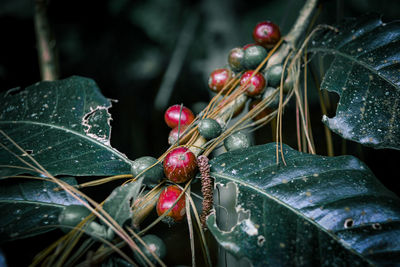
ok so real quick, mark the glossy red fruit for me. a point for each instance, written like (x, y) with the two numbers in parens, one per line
(219, 78)
(265, 112)
(180, 165)
(173, 114)
(165, 201)
(255, 86)
(174, 133)
(266, 34)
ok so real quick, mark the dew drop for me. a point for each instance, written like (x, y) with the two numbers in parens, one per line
(260, 240)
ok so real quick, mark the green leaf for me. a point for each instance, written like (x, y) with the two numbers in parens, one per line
(64, 125)
(31, 207)
(119, 202)
(314, 211)
(365, 73)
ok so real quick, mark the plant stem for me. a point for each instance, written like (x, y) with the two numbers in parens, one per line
(302, 22)
(45, 44)
(297, 31)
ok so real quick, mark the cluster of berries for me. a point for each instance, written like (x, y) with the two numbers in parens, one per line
(180, 164)
(244, 60)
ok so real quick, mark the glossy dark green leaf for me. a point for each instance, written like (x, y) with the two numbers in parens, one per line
(120, 201)
(64, 125)
(314, 211)
(366, 74)
(31, 207)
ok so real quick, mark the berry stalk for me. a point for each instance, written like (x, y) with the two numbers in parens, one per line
(144, 205)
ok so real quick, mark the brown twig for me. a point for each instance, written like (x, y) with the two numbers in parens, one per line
(296, 32)
(45, 44)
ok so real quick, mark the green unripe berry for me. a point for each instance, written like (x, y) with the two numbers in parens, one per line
(71, 216)
(236, 141)
(274, 74)
(155, 244)
(153, 175)
(253, 56)
(209, 128)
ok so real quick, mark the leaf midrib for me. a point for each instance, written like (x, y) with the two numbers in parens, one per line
(29, 202)
(67, 130)
(294, 211)
(337, 52)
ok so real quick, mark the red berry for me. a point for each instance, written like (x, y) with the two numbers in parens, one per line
(180, 165)
(266, 34)
(173, 134)
(266, 111)
(173, 113)
(167, 198)
(219, 78)
(247, 46)
(255, 86)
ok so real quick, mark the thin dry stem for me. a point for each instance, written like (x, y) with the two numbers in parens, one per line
(280, 113)
(200, 228)
(144, 206)
(46, 46)
(190, 228)
(99, 212)
(298, 130)
(302, 116)
(328, 135)
(167, 211)
(100, 181)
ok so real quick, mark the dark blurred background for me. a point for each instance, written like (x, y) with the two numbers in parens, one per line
(151, 54)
